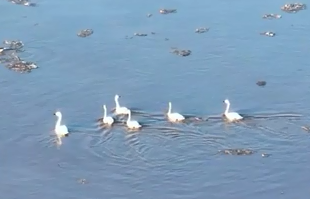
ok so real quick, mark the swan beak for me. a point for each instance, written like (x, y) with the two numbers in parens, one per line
(54, 113)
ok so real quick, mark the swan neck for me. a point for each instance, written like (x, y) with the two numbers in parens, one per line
(117, 103)
(227, 108)
(169, 109)
(105, 112)
(129, 117)
(58, 121)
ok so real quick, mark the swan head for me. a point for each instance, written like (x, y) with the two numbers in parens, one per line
(116, 97)
(104, 106)
(226, 101)
(58, 114)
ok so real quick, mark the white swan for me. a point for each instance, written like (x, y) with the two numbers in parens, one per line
(132, 124)
(120, 110)
(60, 130)
(107, 119)
(231, 116)
(174, 117)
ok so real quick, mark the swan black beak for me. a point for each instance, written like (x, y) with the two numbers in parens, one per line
(54, 113)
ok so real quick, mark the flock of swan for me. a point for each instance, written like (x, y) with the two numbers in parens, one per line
(62, 130)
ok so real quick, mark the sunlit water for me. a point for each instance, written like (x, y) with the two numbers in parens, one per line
(163, 160)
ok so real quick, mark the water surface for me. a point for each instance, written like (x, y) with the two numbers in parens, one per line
(77, 75)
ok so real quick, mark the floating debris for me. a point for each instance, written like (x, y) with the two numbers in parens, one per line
(167, 11)
(306, 128)
(82, 181)
(85, 33)
(266, 155)
(271, 16)
(140, 34)
(201, 30)
(23, 2)
(261, 83)
(237, 151)
(149, 15)
(14, 44)
(293, 7)
(268, 33)
(181, 52)
(22, 66)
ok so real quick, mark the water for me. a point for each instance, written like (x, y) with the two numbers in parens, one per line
(77, 75)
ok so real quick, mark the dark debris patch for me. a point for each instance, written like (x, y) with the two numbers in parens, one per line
(268, 34)
(201, 30)
(261, 83)
(180, 52)
(23, 2)
(237, 151)
(85, 33)
(293, 7)
(140, 34)
(271, 16)
(167, 11)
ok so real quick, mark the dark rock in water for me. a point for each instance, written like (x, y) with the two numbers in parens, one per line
(181, 52)
(23, 2)
(268, 34)
(293, 7)
(85, 33)
(261, 83)
(14, 44)
(167, 11)
(271, 16)
(140, 34)
(237, 151)
(201, 30)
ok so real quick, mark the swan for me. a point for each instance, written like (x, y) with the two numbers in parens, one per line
(231, 116)
(120, 110)
(60, 130)
(174, 117)
(107, 119)
(132, 124)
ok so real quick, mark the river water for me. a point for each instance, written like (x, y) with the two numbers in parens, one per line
(163, 160)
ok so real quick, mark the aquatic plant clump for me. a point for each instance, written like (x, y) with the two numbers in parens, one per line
(167, 11)
(14, 44)
(9, 57)
(22, 66)
(293, 7)
(271, 16)
(201, 30)
(268, 34)
(23, 2)
(237, 151)
(85, 33)
(182, 53)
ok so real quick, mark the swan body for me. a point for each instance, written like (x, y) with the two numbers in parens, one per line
(107, 119)
(60, 130)
(120, 110)
(231, 116)
(132, 124)
(174, 117)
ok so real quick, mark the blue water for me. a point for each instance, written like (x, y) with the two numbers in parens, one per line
(78, 75)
